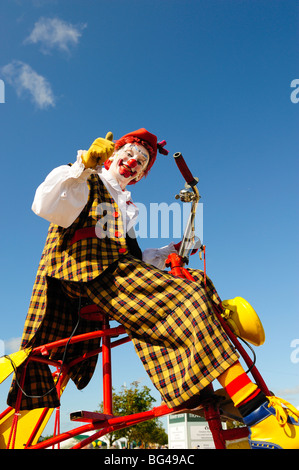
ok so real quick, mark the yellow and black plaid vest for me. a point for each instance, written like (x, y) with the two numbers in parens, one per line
(101, 240)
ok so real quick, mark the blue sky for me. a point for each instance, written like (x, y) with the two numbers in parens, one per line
(212, 78)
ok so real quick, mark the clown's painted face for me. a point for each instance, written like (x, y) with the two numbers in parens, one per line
(129, 163)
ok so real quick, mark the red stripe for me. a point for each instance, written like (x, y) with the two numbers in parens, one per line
(91, 308)
(237, 384)
(81, 233)
(251, 396)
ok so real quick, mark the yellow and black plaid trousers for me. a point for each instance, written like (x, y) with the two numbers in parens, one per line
(170, 321)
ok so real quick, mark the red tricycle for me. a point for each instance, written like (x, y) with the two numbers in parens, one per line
(22, 428)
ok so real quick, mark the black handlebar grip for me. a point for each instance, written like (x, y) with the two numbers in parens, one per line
(182, 166)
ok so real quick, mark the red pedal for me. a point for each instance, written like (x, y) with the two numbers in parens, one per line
(88, 416)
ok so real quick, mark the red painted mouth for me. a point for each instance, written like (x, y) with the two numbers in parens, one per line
(125, 170)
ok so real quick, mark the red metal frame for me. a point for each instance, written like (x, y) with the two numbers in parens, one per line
(103, 423)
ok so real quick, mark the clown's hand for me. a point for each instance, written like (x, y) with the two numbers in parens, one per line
(100, 150)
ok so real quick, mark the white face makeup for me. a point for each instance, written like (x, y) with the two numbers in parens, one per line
(129, 163)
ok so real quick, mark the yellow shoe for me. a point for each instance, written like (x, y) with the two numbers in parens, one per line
(243, 320)
(274, 425)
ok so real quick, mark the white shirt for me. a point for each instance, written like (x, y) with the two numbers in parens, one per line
(64, 193)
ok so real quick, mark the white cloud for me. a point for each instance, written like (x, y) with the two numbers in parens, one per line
(289, 391)
(27, 81)
(53, 33)
(12, 345)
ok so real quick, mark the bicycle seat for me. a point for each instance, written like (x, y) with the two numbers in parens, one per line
(92, 312)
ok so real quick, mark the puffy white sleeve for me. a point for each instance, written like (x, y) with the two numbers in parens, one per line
(63, 194)
(158, 256)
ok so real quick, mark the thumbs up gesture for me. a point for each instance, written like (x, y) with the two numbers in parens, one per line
(100, 150)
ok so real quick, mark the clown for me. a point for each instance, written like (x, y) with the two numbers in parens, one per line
(170, 320)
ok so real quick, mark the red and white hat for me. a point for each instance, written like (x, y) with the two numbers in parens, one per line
(148, 140)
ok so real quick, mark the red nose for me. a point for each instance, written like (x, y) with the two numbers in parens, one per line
(132, 163)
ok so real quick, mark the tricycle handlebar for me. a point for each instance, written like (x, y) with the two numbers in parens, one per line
(182, 166)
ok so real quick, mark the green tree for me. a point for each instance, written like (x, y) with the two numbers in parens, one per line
(131, 400)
